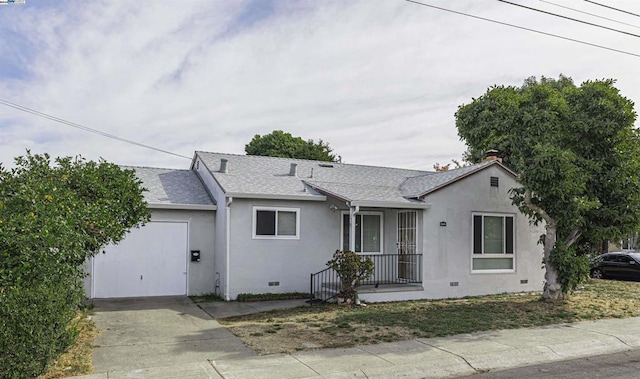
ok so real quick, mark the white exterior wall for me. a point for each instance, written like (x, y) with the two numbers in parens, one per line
(448, 249)
(256, 262)
(201, 223)
(218, 273)
(201, 237)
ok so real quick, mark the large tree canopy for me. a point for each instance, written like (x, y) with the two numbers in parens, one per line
(578, 159)
(284, 145)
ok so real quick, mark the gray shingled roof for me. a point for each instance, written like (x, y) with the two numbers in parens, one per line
(168, 186)
(250, 174)
(269, 176)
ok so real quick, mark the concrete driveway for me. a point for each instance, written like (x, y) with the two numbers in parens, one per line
(146, 336)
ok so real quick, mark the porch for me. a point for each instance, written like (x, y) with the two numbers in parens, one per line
(392, 273)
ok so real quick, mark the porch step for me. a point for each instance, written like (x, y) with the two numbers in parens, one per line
(399, 287)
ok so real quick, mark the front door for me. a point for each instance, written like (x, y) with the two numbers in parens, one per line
(407, 247)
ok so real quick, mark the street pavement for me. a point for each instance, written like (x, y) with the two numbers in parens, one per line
(175, 338)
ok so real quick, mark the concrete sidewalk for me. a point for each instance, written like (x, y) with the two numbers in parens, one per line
(420, 358)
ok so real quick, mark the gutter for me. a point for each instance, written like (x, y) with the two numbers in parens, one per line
(190, 207)
(387, 204)
(228, 202)
(275, 196)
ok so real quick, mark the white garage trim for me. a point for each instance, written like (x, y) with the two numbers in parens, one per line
(115, 273)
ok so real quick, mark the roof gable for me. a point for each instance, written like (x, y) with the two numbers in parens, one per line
(419, 186)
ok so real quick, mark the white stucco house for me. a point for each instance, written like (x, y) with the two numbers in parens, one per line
(236, 224)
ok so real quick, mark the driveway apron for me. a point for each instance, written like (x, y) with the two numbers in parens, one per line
(143, 333)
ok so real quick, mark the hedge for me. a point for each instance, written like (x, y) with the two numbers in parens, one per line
(35, 325)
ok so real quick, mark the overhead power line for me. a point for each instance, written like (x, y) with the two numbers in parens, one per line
(615, 9)
(525, 28)
(568, 18)
(590, 14)
(85, 128)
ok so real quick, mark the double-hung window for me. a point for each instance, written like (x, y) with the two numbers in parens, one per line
(493, 243)
(276, 223)
(369, 227)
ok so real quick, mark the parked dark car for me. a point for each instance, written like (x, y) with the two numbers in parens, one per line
(617, 265)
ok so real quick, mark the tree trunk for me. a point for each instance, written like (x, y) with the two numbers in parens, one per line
(604, 247)
(552, 289)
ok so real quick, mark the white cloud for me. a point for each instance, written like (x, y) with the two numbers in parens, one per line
(379, 81)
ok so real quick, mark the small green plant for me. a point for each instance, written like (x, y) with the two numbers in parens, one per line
(351, 268)
(207, 297)
(245, 297)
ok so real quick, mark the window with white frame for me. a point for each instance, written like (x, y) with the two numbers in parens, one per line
(276, 223)
(493, 243)
(369, 229)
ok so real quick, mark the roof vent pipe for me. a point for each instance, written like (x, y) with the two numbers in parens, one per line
(223, 165)
(293, 171)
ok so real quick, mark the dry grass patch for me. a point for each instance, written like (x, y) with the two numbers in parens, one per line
(330, 325)
(77, 360)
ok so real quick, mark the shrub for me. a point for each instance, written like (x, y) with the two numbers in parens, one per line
(351, 268)
(35, 325)
(51, 220)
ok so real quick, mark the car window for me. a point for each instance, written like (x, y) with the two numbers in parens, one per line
(623, 259)
(609, 258)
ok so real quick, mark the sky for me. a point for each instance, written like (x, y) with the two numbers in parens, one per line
(378, 80)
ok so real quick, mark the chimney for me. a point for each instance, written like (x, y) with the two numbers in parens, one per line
(223, 166)
(293, 171)
(492, 155)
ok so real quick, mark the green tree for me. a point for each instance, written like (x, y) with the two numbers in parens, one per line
(578, 158)
(52, 218)
(284, 145)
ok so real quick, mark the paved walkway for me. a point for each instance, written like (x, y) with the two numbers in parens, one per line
(176, 339)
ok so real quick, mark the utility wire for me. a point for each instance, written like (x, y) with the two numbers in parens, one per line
(590, 14)
(615, 9)
(568, 18)
(85, 128)
(524, 28)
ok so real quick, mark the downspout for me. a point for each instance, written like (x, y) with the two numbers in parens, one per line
(228, 203)
(353, 210)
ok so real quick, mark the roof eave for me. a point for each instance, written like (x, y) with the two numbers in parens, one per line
(189, 207)
(242, 195)
(327, 193)
(390, 204)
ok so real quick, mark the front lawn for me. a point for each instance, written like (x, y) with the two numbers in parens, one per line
(331, 326)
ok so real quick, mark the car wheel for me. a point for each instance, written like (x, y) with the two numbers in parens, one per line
(596, 273)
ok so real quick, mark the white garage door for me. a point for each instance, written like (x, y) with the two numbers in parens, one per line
(151, 261)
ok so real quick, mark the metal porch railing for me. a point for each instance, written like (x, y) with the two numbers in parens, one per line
(389, 269)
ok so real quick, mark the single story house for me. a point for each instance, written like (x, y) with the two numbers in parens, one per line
(235, 224)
